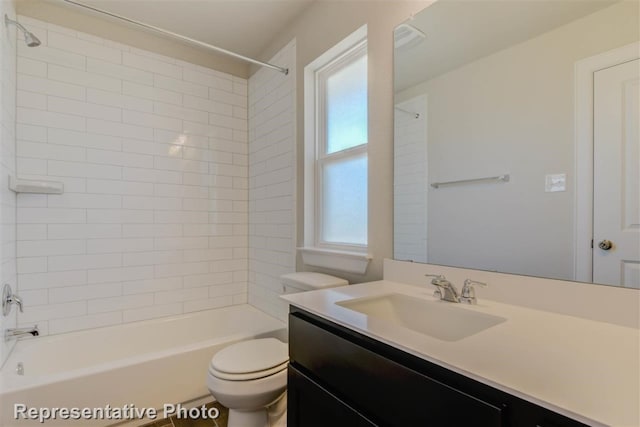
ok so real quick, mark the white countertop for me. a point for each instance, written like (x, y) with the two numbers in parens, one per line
(586, 370)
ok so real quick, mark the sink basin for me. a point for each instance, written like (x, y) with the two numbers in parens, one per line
(438, 319)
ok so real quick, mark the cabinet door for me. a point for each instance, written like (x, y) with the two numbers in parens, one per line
(386, 391)
(309, 405)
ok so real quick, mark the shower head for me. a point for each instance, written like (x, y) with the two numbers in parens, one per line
(30, 39)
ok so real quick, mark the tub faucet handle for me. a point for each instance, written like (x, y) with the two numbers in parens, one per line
(8, 298)
(15, 299)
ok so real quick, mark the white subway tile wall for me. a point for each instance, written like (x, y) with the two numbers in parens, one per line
(272, 171)
(153, 154)
(8, 166)
(410, 179)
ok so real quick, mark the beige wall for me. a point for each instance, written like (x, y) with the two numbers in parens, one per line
(71, 17)
(319, 28)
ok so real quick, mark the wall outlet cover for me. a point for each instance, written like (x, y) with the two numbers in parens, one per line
(556, 182)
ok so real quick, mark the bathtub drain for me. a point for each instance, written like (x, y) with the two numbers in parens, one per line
(20, 369)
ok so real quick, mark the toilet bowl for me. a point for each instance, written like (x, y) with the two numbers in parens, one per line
(250, 377)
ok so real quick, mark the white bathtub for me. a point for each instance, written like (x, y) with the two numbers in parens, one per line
(146, 364)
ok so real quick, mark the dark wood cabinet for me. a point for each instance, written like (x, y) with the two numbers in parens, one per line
(339, 377)
(316, 407)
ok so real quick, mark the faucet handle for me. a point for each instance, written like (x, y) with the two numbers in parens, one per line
(15, 299)
(469, 282)
(468, 293)
(437, 278)
(446, 290)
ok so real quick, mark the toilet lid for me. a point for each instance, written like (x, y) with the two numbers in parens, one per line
(248, 376)
(250, 356)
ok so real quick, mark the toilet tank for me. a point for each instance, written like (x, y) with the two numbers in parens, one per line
(308, 281)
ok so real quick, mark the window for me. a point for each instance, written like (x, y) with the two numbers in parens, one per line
(341, 151)
(336, 136)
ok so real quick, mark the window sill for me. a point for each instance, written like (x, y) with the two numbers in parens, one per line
(350, 262)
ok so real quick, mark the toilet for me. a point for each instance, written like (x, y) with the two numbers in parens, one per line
(250, 377)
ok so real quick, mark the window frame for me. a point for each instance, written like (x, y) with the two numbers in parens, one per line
(321, 158)
(345, 257)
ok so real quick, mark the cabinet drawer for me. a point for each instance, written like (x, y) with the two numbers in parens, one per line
(310, 405)
(386, 392)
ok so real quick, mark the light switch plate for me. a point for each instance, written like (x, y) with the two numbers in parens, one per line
(556, 182)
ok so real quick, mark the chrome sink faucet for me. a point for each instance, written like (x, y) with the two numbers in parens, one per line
(446, 290)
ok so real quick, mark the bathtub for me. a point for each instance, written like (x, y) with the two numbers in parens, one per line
(138, 365)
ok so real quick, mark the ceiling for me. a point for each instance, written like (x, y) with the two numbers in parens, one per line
(242, 26)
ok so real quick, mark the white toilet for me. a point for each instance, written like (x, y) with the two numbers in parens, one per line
(251, 376)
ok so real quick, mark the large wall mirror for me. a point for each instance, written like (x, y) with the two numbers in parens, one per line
(516, 138)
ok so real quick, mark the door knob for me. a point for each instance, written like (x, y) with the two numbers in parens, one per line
(605, 245)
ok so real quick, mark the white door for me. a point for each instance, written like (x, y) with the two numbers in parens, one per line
(616, 195)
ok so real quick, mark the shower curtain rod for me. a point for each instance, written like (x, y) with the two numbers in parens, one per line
(283, 70)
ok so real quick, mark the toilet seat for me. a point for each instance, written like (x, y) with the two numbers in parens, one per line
(250, 360)
(249, 375)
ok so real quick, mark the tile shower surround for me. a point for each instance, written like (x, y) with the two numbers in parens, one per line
(272, 173)
(8, 166)
(153, 154)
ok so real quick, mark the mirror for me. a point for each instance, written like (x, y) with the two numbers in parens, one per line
(502, 110)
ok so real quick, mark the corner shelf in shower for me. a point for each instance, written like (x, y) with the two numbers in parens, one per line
(35, 186)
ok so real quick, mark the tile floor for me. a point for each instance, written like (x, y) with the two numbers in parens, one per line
(221, 421)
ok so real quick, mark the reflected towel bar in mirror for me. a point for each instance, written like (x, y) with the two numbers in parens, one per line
(503, 178)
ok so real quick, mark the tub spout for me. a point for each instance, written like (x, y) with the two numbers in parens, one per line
(15, 333)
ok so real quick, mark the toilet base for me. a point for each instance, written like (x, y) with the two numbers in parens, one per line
(274, 415)
(277, 412)
(257, 418)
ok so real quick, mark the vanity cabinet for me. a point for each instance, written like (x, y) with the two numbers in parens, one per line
(340, 377)
(317, 407)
